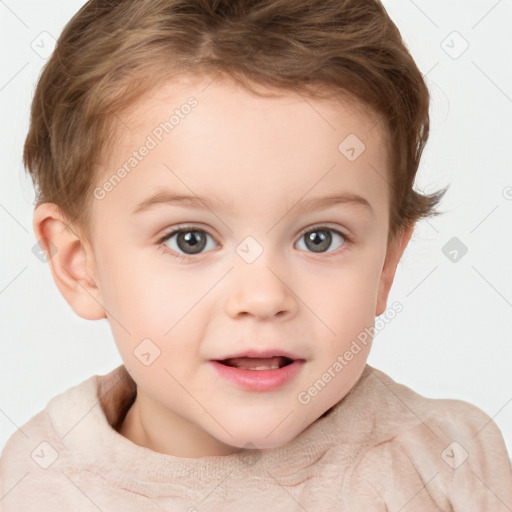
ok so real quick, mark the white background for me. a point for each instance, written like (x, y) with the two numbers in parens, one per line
(453, 338)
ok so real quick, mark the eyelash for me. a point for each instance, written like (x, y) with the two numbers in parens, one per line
(187, 257)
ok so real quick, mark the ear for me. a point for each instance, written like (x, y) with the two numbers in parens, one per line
(393, 255)
(71, 261)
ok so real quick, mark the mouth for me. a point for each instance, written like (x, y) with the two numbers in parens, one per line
(257, 363)
(259, 371)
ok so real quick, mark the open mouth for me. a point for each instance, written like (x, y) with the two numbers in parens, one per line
(257, 373)
(257, 363)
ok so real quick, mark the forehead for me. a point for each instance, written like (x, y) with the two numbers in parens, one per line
(213, 138)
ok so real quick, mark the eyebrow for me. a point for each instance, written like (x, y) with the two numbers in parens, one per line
(165, 197)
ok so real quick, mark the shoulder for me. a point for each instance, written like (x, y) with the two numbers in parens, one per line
(447, 451)
(32, 458)
(400, 409)
(36, 459)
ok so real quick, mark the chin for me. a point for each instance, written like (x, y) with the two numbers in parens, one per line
(258, 440)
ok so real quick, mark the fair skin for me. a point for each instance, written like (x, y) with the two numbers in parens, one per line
(261, 157)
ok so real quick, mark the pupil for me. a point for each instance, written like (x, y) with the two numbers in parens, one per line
(321, 240)
(195, 239)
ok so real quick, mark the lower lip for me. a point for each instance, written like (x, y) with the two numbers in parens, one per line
(259, 380)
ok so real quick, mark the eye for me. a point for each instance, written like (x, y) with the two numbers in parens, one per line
(188, 240)
(319, 238)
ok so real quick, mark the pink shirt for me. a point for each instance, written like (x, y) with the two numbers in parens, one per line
(382, 448)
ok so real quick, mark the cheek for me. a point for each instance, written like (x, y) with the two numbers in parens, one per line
(351, 288)
(151, 300)
(347, 301)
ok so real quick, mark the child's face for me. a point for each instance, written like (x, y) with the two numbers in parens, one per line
(252, 281)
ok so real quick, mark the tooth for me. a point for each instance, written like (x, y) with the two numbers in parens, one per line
(261, 368)
(246, 363)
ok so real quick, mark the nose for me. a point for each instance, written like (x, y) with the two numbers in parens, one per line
(258, 290)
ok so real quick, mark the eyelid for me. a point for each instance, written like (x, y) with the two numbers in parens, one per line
(342, 231)
(183, 227)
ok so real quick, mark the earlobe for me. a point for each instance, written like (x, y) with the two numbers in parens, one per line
(393, 256)
(68, 259)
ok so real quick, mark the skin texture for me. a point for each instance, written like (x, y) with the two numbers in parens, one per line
(260, 156)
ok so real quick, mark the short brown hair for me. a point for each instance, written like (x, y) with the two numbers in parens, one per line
(113, 51)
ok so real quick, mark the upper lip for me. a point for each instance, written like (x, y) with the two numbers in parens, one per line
(260, 354)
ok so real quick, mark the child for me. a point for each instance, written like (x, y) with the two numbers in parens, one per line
(280, 139)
